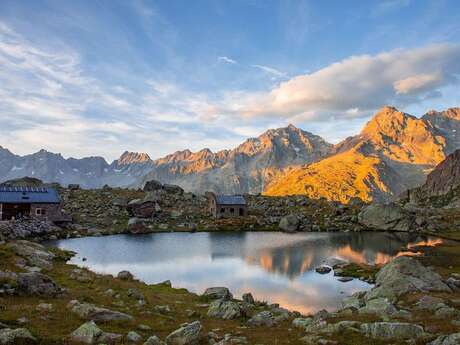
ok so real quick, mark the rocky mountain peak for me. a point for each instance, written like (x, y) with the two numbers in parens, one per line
(451, 113)
(387, 120)
(133, 157)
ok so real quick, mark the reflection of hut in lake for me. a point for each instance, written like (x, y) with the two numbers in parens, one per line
(227, 206)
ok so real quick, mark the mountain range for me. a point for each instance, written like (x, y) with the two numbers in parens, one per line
(393, 152)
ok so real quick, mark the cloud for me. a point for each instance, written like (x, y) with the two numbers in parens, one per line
(359, 84)
(49, 100)
(417, 83)
(270, 70)
(227, 60)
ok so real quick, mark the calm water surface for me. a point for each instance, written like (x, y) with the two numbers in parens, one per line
(275, 267)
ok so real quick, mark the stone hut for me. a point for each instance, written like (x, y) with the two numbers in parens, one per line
(73, 186)
(227, 206)
(37, 202)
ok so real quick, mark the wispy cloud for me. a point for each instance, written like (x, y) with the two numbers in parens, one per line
(50, 101)
(227, 60)
(270, 70)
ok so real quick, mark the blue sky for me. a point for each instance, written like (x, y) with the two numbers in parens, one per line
(100, 77)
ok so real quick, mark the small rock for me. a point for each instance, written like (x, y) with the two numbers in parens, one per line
(154, 340)
(133, 337)
(323, 269)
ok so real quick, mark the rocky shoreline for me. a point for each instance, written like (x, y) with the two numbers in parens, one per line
(44, 300)
(165, 208)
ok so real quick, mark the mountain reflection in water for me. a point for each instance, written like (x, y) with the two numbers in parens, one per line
(275, 267)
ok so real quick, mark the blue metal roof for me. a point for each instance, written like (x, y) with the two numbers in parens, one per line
(28, 195)
(230, 200)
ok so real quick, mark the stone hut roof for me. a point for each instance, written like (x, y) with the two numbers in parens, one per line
(28, 195)
(230, 200)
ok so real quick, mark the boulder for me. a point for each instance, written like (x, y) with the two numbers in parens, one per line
(152, 185)
(392, 330)
(289, 223)
(248, 298)
(402, 275)
(226, 310)
(35, 254)
(451, 339)
(154, 340)
(380, 306)
(88, 333)
(133, 337)
(323, 269)
(37, 284)
(125, 275)
(16, 336)
(91, 312)
(173, 189)
(137, 226)
(354, 301)
(264, 318)
(141, 209)
(386, 217)
(429, 303)
(186, 335)
(218, 293)
(302, 322)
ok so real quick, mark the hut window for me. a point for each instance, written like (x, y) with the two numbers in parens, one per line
(232, 210)
(222, 210)
(40, 211)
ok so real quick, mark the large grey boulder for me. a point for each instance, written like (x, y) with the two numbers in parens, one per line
(186, 335)
(16, 336)
(88, 333)
(152, 185)
(218, 293)
(386, 217)
(380, 306)
(264, 318)
(89, 311)
(35, 254)
(402, 275)
(289, 223)
(392, 330)
(451, 339)
(37, 284)
(226, 310)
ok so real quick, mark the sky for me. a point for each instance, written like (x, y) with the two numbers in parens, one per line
(98, 77)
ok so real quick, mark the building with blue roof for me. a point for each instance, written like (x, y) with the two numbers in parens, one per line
(21, 202)
(227, 206)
